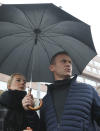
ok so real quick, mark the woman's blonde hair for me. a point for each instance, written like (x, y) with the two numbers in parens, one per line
(11, 78)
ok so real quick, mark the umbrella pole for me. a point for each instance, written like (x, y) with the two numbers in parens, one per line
(40, 102)
(38, 90)
(38, 95)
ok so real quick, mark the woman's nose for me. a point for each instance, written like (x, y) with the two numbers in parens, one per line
(23, 82)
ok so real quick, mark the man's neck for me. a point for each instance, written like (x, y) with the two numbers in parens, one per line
(61, 78)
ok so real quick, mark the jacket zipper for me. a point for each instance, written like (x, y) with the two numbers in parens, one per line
(58, 125)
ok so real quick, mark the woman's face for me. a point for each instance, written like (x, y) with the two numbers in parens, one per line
(18, 83)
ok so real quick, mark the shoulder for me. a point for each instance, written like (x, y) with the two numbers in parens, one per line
(80, 84)
(4, 94)
(84, 86)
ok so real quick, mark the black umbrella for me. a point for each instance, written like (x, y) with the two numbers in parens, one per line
(31, 33)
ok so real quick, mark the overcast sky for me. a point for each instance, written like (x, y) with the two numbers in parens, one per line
(85, 10)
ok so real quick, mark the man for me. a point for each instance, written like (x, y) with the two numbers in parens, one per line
(13, 117)
(68, 105)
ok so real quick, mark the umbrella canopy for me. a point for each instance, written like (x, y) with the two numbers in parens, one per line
(30, 34)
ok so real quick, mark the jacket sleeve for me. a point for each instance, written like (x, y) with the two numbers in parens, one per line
(42, 121)
(96, 107)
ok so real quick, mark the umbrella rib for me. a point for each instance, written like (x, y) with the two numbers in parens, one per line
(50, 27)
(28, 19)
(31, 57)
(54, 25)
(54, 43)
(12, 34)
(26, 16)
(43, 15)
(68, 36)
(65, 51)
(16, 24)
(53, 35)
(19, 58)
(44, 48)
(11, 52)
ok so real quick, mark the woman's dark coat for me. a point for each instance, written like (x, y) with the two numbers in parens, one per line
(12, 115)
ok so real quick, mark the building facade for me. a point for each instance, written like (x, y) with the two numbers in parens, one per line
(91, 73)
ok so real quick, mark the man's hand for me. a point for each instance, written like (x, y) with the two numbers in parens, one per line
(28, 100)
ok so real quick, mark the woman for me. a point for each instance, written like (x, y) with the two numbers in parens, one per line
(13, 117)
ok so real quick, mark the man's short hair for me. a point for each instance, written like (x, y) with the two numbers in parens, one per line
(58, 53)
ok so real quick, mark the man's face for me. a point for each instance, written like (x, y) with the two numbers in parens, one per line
(18, 83)
(62, 67)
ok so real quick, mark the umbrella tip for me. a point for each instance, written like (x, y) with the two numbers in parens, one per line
(60, 7)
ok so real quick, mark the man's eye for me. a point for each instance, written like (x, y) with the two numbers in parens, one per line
(70, 62)
(64, 61)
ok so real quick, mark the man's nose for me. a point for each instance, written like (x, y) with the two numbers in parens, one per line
(68, 64)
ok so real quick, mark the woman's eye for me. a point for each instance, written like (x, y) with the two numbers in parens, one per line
(18, 80)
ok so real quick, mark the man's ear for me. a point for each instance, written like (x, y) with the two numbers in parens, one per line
(51, 68)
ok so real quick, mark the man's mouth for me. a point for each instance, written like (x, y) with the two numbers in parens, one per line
(68, 70)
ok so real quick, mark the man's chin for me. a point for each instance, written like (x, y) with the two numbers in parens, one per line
(68, 75)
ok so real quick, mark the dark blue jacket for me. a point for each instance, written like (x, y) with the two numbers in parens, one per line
(81, 108)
